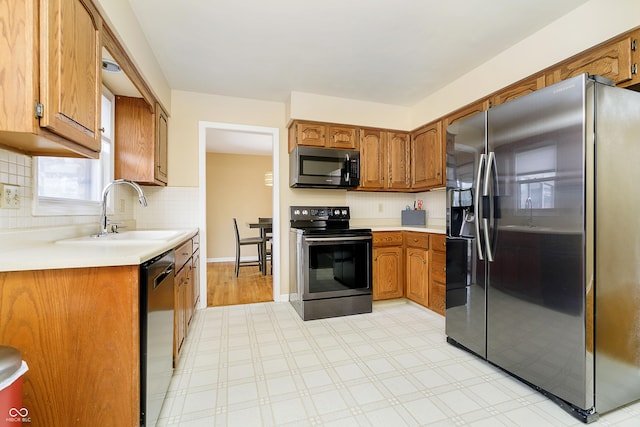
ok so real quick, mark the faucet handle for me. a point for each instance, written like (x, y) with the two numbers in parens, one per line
(115, 226)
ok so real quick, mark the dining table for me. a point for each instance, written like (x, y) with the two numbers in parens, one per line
(265, 225)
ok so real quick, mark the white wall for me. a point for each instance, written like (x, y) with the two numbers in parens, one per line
(348, 111)
(586, 26)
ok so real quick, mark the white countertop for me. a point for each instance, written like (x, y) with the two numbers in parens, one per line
(36, 249)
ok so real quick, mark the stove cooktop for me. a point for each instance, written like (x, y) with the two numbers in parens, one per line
(323, 220)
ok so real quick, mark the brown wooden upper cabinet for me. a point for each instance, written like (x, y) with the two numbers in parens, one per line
(427, 155)
(611, 60)
(344, 137)
(398, 160)
(307, 133)
(161, 167)
(519, 89)
(384, 160)
(51, 70)
(140, 152)
(316, 134)
(373, 159)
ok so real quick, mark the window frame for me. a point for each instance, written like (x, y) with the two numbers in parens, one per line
(56, 206)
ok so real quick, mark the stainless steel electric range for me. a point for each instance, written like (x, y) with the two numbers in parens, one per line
(330, 264)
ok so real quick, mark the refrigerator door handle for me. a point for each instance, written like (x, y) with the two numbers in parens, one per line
(476, 205)
(490, 167)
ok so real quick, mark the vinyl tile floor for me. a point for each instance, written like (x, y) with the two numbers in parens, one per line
(261, 365)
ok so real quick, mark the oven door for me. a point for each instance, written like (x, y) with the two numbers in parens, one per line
(335, 266)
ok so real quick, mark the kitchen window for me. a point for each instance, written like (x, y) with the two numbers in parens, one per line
(70, 186)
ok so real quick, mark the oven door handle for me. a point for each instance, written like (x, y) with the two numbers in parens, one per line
(336, 239)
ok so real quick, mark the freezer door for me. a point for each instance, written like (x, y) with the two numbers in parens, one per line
(465, 289)
(536, 287)
(617, 317)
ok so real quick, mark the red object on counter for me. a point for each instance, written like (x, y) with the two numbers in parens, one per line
(12, 369)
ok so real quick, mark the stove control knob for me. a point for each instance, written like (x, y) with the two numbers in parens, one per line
(305, 212)
(296, 212)
(344, 212)
(314, 212)
(336, 212)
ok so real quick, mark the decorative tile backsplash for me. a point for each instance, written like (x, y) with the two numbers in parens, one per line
(16, 169)
(168, 207)
(175, 207)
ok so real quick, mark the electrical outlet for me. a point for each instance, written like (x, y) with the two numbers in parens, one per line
(9, 196)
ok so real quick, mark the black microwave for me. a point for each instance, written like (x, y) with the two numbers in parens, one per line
(312, 167)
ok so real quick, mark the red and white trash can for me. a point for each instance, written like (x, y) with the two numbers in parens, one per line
(12, 368)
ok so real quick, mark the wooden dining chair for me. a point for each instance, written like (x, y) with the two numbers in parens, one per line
(246, 241)
(267, 234)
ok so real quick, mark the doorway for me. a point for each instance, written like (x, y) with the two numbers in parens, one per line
(246, 137)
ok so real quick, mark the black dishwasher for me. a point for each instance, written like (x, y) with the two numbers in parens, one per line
(156, 334)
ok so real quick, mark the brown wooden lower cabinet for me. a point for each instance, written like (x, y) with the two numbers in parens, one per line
(410, 264)
(438, 273)
(77, 329)
(387, 273)
(417, 266)
(186, 292)
(388, 267)
(181, 284)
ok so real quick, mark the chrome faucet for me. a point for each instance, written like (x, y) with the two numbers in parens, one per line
(103, 207)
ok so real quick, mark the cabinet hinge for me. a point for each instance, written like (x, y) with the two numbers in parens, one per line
(634, 45)
(634, 69)
(39, 110)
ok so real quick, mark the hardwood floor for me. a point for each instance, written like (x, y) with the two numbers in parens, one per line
(224, 288)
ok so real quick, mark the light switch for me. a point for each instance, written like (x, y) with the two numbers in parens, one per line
(9, 196)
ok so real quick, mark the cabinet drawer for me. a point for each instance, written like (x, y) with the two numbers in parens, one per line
(437, 294)
(416, 240)
(195, 240)
(387, 238)
(183, 253)
(439, 242)
(439, 266)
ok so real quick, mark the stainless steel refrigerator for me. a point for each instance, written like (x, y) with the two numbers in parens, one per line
(543, 241)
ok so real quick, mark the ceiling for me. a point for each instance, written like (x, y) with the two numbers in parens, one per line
(388, 51)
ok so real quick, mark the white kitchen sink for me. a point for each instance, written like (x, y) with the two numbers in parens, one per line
(128, 237)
